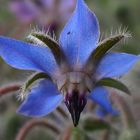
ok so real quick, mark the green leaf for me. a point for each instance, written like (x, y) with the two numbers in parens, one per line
(31, 80)
(92, 124)
(100, 51)
(45, 40)
(114, 84)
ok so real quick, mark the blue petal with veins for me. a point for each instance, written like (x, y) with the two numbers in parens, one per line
(26, 56)
(80, 35)
(116, 64)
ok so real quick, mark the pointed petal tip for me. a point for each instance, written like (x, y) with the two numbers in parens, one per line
(84, 35)
(26, 56)
(79, 2)
(116, 64)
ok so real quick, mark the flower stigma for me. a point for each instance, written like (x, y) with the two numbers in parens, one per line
(75, 86)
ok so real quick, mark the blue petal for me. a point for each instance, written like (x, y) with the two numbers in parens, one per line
(80, 35)
(42, 100)
(116, 64)
(100, 96)
(101, 112)
(26, 56)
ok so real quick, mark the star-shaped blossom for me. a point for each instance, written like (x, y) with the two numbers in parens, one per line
(74, 70)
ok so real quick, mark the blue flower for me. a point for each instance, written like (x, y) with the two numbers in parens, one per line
(77, 68)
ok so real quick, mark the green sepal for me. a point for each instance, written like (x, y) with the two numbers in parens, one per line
(105, 46)
(109, 82)
(101, 50)
(31, 80)
(92, 124)
(44, 39)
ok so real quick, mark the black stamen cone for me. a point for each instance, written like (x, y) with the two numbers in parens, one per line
(75, 104)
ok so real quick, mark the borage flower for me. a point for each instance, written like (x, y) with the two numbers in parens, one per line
(74, 70)
(24, 10)
(43, 12)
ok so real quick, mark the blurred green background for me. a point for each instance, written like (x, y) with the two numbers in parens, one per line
(112, 15)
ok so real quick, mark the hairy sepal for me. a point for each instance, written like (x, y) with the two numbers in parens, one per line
(30, 81)
(109, 82)
(43, 39)
(102, 49)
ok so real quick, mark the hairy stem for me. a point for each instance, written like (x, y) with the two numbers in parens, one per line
(62, 112)
(23, 132)
(126, 114)
(105, 135)
(8, 89)
(67, 133)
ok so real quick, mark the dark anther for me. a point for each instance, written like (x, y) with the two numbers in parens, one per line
(75, 104)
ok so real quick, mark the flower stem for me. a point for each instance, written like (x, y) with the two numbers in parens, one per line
(62, 112)
(126, 114)
(8, 89)
(67, 133)
(31, 124)
(105, 135)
